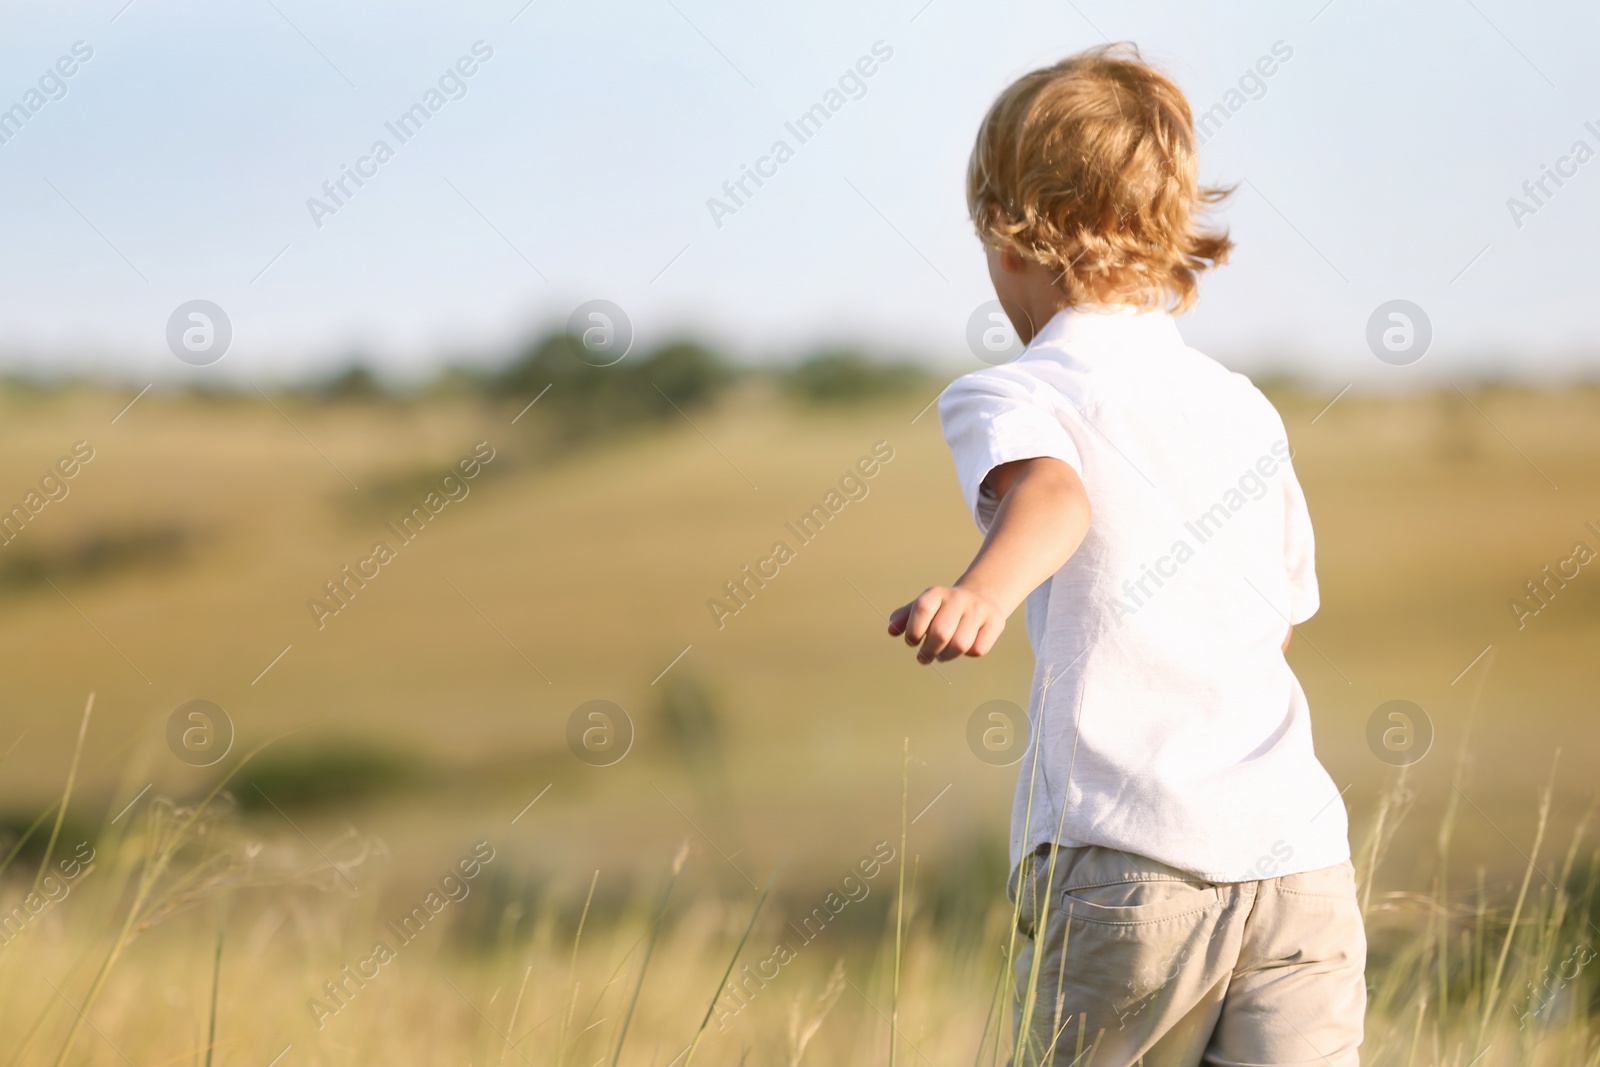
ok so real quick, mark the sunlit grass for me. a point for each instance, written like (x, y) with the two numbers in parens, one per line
(186, 939)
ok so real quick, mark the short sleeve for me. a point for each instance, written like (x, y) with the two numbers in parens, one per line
(992, 418)
(1299, 552)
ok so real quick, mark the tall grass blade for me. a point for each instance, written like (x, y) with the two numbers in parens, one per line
(733, 959)
(572, 974)
(1492, 992)
(66, 794)
(900, 906)
(216, 984)
(516, 1009)
(649, 950)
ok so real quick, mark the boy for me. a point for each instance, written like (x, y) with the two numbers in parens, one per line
(1181, 863)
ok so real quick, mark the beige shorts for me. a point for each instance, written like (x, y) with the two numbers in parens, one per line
(1140, 963)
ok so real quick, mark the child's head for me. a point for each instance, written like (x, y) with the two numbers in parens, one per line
(1085, 173)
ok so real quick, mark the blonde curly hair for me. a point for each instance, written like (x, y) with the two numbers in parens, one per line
(1087, 167)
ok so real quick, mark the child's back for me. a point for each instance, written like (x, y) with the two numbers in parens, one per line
(1186, 734)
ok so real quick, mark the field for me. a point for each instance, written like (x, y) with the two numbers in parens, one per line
(427, 721)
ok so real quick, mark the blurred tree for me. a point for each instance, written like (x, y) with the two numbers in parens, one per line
(846, 376)
(686, 371)
(355, 382)
(586, 400)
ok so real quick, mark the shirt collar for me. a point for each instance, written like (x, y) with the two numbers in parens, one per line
(1119, 323)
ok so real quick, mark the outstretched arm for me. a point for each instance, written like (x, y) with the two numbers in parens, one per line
(1041, 520)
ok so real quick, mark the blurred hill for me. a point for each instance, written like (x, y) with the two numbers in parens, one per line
(579, 563)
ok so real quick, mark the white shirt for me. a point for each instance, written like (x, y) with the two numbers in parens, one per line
(1164, 719)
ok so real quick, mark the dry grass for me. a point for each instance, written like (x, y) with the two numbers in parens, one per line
(187, 939)
(597, 568)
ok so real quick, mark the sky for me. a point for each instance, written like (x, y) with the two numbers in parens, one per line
(185, 157)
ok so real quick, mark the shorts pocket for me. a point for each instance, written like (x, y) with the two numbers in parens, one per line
(1127, 948)
(1140, 900)
(1105, 886)
(1337, 882)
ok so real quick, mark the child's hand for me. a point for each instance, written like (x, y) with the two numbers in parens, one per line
(949, 622)
(1041, 519)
